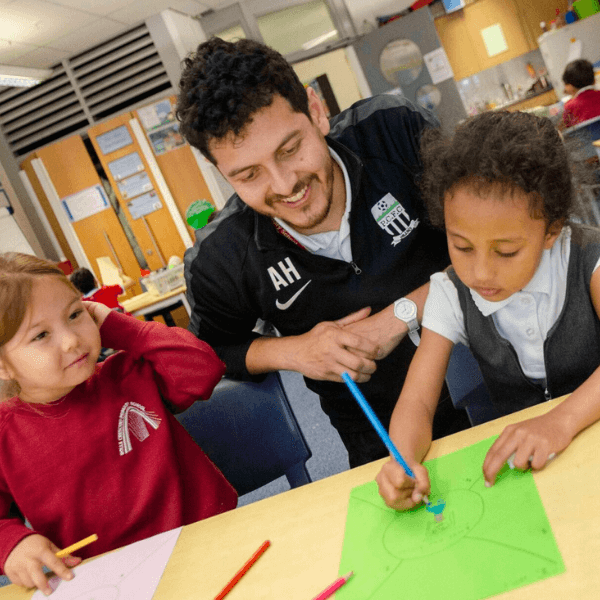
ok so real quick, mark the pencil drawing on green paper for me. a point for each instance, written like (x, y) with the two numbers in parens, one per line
(490, 540)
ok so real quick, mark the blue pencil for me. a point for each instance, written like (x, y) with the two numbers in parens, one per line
(379, 428)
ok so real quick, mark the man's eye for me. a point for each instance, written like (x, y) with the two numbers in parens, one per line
(249, 176)
(293, 149)
(507, 254)
(463, 248)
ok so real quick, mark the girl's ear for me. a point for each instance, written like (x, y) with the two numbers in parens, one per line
(552, 232)
(5, 370)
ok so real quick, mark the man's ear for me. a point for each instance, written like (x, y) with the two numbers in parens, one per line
(317, 111)
(552, 232)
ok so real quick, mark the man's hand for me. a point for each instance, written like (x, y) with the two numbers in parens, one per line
(382, 329)
(24, 563)
(330, 348)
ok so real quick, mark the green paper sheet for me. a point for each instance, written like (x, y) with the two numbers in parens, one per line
(491, 540)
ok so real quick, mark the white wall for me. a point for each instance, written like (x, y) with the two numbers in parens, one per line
(11, 236)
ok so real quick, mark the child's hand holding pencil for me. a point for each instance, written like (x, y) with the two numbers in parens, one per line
(398, 490)
(24, 563)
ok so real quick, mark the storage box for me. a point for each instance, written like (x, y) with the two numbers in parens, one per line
(163, 281)
(586, 8)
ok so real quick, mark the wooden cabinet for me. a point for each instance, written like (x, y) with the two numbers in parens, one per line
(460, 32)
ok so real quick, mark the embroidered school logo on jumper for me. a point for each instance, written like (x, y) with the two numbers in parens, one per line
(393, 219)
(134, 418)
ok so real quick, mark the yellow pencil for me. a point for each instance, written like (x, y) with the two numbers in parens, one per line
(66, 551)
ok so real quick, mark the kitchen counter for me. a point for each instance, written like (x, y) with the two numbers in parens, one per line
(544, 97)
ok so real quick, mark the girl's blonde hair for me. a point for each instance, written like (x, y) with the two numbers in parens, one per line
(17, 273)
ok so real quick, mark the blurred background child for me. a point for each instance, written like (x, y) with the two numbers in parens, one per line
(90, 448)
(579, 83)
(83, 279)
(523, 293)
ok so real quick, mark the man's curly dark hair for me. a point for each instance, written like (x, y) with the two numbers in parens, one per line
(223, 84)
(505, 151)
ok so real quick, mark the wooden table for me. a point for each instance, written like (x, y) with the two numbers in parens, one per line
(306, 529)
(147, 303)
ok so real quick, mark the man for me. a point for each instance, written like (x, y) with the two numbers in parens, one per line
(323, 235)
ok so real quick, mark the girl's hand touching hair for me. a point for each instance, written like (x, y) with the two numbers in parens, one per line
(97, 311)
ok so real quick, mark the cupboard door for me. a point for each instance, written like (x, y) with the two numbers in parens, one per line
(81, 206)
(138, 191)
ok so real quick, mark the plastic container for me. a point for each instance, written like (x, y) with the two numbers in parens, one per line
(586, 8)
(163, 281)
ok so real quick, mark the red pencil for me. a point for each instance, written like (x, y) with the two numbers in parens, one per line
(334, 587)
(243, 570)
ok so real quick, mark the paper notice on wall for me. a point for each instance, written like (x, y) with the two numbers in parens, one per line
(438, 65)
(85, 203)
(494, 40)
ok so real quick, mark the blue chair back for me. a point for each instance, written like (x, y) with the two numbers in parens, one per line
(584, 133)
(467, 388)
(248, 429)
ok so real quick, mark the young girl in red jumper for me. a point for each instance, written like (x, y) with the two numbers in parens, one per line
(93, 448)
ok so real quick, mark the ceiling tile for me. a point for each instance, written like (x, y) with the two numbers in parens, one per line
(189, 7)
(86, 37)
(9, 51)
(139, 11)
(42, 58)
(98, 7)
(38, 23)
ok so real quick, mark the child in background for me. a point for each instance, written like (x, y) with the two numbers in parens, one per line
(83, 279)
(579, 80)
(523, 293)
(87, 448)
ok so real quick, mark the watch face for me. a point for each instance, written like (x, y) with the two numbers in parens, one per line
(405, 310)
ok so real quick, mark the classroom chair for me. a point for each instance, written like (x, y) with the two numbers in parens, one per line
(248, 429)
(579, 140)
(467, 388)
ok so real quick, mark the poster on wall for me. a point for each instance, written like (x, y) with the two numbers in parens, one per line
(156, 115)
(126, 166)
(166, 139)
(114, 140)
(86, 203)
(144, 205)
(438, 65)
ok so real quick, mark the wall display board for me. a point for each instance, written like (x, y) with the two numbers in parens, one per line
(135, 185)
(114, 140)
(125, 166)
(144, 205)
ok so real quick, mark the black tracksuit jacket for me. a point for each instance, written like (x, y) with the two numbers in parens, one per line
(241, 269)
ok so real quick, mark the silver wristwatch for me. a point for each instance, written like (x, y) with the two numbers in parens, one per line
(406, 310)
